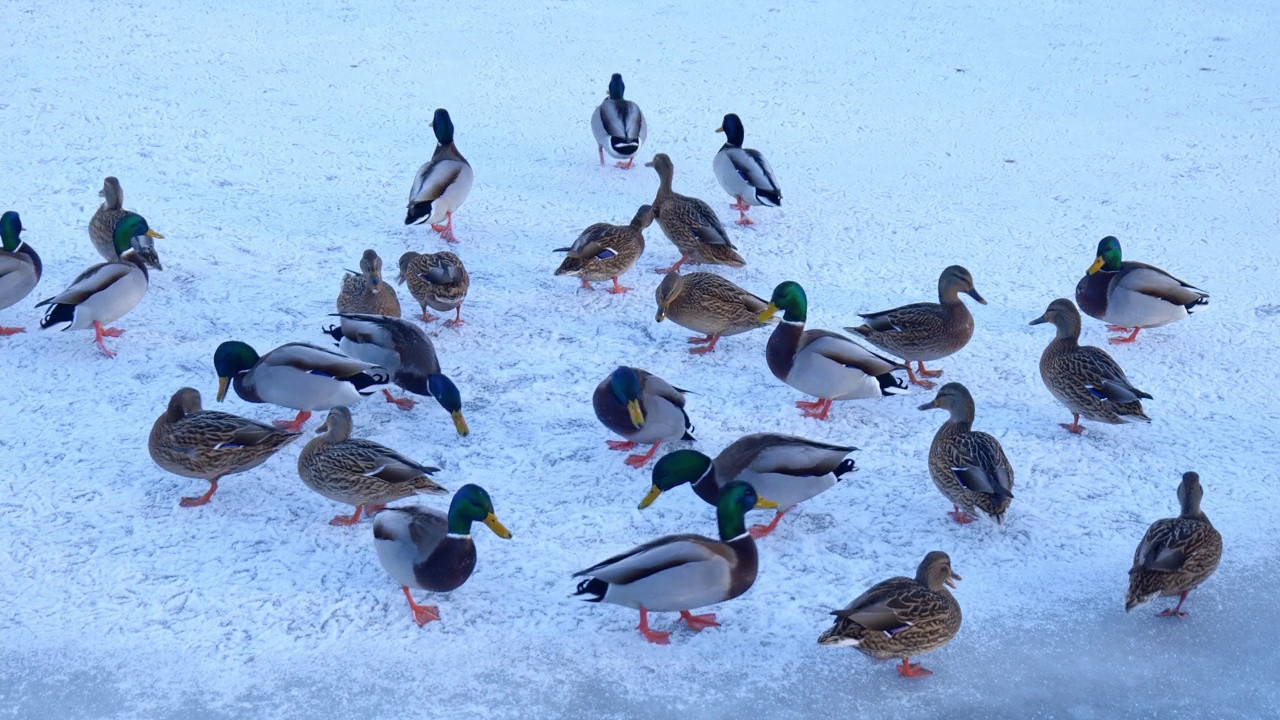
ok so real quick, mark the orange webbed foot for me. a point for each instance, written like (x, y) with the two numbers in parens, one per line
(698, 623)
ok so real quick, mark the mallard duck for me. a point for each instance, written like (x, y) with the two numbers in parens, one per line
(365, 292)
(429, 550)
(744, 173)
(618, 125)
(360, 472)
(968, 467)
(442, 184)
(709, 304)
(438, 280)
(901, 616)
(1083, 377)
(819, 362)
(689, 223)
(20, 266)
(1132, 295)
(785, 469)
(102, 227)
(643, 408)
(407, 353)
(105, 292)
(682, 572)
(300, 376)
(190, 441)
(603, 251)
(1177, 554)
(925, 331)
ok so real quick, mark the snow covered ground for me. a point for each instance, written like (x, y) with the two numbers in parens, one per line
(272, 142)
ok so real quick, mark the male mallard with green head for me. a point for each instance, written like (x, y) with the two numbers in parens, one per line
(644, 409)
(743, 172)
(442, 183)
(20, 266)
(102, 227)
(1131, 295)
(618, 125)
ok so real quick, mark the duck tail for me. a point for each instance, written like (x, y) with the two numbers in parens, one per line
(890, 385)
(845, 467)
(625, 147)
(58, 314)
(569, 266)
(370, 381)
(772, 198)
(1196, 303)
(594, 587)
(418, 212)
(334, 331)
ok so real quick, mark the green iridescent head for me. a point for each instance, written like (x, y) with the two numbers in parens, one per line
(472, 504)
(10, 228)
(131, 226)
(675, 469)
(1108, 256)
(788, 297)
(229, 360)
(616, 88)
(624, 383)
(443, 126)
(736, 499)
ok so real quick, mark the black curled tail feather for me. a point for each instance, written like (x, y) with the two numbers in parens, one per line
(624, 146)
(58, 313)
(417, 213)
(1196, 303)
(846, 466)
(889, 382)
(592, 586)
(369, 378)
(770, 197)
(334, 331)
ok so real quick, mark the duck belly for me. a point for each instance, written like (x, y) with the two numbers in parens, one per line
(822, 377)
(732, 182)
(1136, 310)
(300, 390)
(663, 423)
(111, 303)
(397, 559)
(15, 286)
(786, 490)
(452, 197)
(684, 587)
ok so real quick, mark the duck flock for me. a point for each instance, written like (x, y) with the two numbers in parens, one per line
(374, 349)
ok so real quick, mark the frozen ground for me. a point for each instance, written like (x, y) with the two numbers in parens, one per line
(272, 143)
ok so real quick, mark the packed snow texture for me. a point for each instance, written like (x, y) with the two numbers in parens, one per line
(273, 142)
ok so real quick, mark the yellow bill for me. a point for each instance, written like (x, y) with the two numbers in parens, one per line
(637, 416)
(1096, 266)
(460, 423)
(762, 504)
(720, 129)
(498, 529)
(768, 313)
(223, 382)
(154, 234)
(654, 492)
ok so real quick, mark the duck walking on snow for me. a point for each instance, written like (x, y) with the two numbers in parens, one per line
(643, 408)
(969, 467)
(20, 266)
(1177, 554)
(442, 184)
(365, 292)
(709, 304)
(603, 251)
(743, 172)
(1131, 295)
(618, 125)
(436, 280)
(689, 223)
(1085, 378)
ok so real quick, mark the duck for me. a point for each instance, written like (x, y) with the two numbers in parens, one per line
(968, 467)
(20, 266)
(1176, 555)
(438, 280)
(642, 408)
(1130, 296)
(1084, 378)
(743, 172)
(429, 550)
(819, 362)
(901, 617)
(102, 227)
(360, 472)
(618, 125)
(298, 375)
(925, 331)
(709, 304)
(689, 223)
(603, 251)
(406, 352)
(190, 441)
(442, 183)
(107, 291)
(365, 292)
(682, 572)
(787, 470)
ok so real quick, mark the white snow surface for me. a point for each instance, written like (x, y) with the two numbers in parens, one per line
(272, 142)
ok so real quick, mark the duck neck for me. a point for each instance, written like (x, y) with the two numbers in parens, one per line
(948, 293)
(1068, 329)
(780, 352)
(733, 524)
(706, 487)
(112, 196)
(664, 185)
(459, 524)
(962, 414)
(132, 256)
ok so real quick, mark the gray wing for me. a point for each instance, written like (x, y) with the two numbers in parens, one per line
(426, 529)
(752, 167)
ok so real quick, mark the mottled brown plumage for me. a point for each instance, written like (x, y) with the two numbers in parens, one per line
(436, 280)
(192, 442)
(359, 472)
(925, 331)
(604, 251)
(1085, 378)
(968, 467)
(365, 292)
(689, 223)
(707, 303)
(1177, 554)
(901, 617)
(102, 226)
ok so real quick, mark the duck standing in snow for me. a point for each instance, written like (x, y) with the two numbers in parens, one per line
(901, 616)
(102, 226)
(190, 441)
(436, 280)
(365, 292)
(618, 125)
(603, 251)
(299, 376)
(968, 467)
(787, 470)
(682, 572)
(819, 362)
(1085, 378)
(105, 292)
(689, 223)
(360, 472)
(20, 266)
(1131, 295)
(643, 408)
(442, 184)
(407, 353)
(743, 172)
(1177, 554)
(709, 304)
(429, 550)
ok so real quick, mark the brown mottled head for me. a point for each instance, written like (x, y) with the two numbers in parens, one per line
(956, 398)
(956, 279)
(1064, 316)
(184, 402)
(668, 290)
(662, 164)
(935, 571)
(1189, 495)
(405, 259)
(643, 218)
(112, 193)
